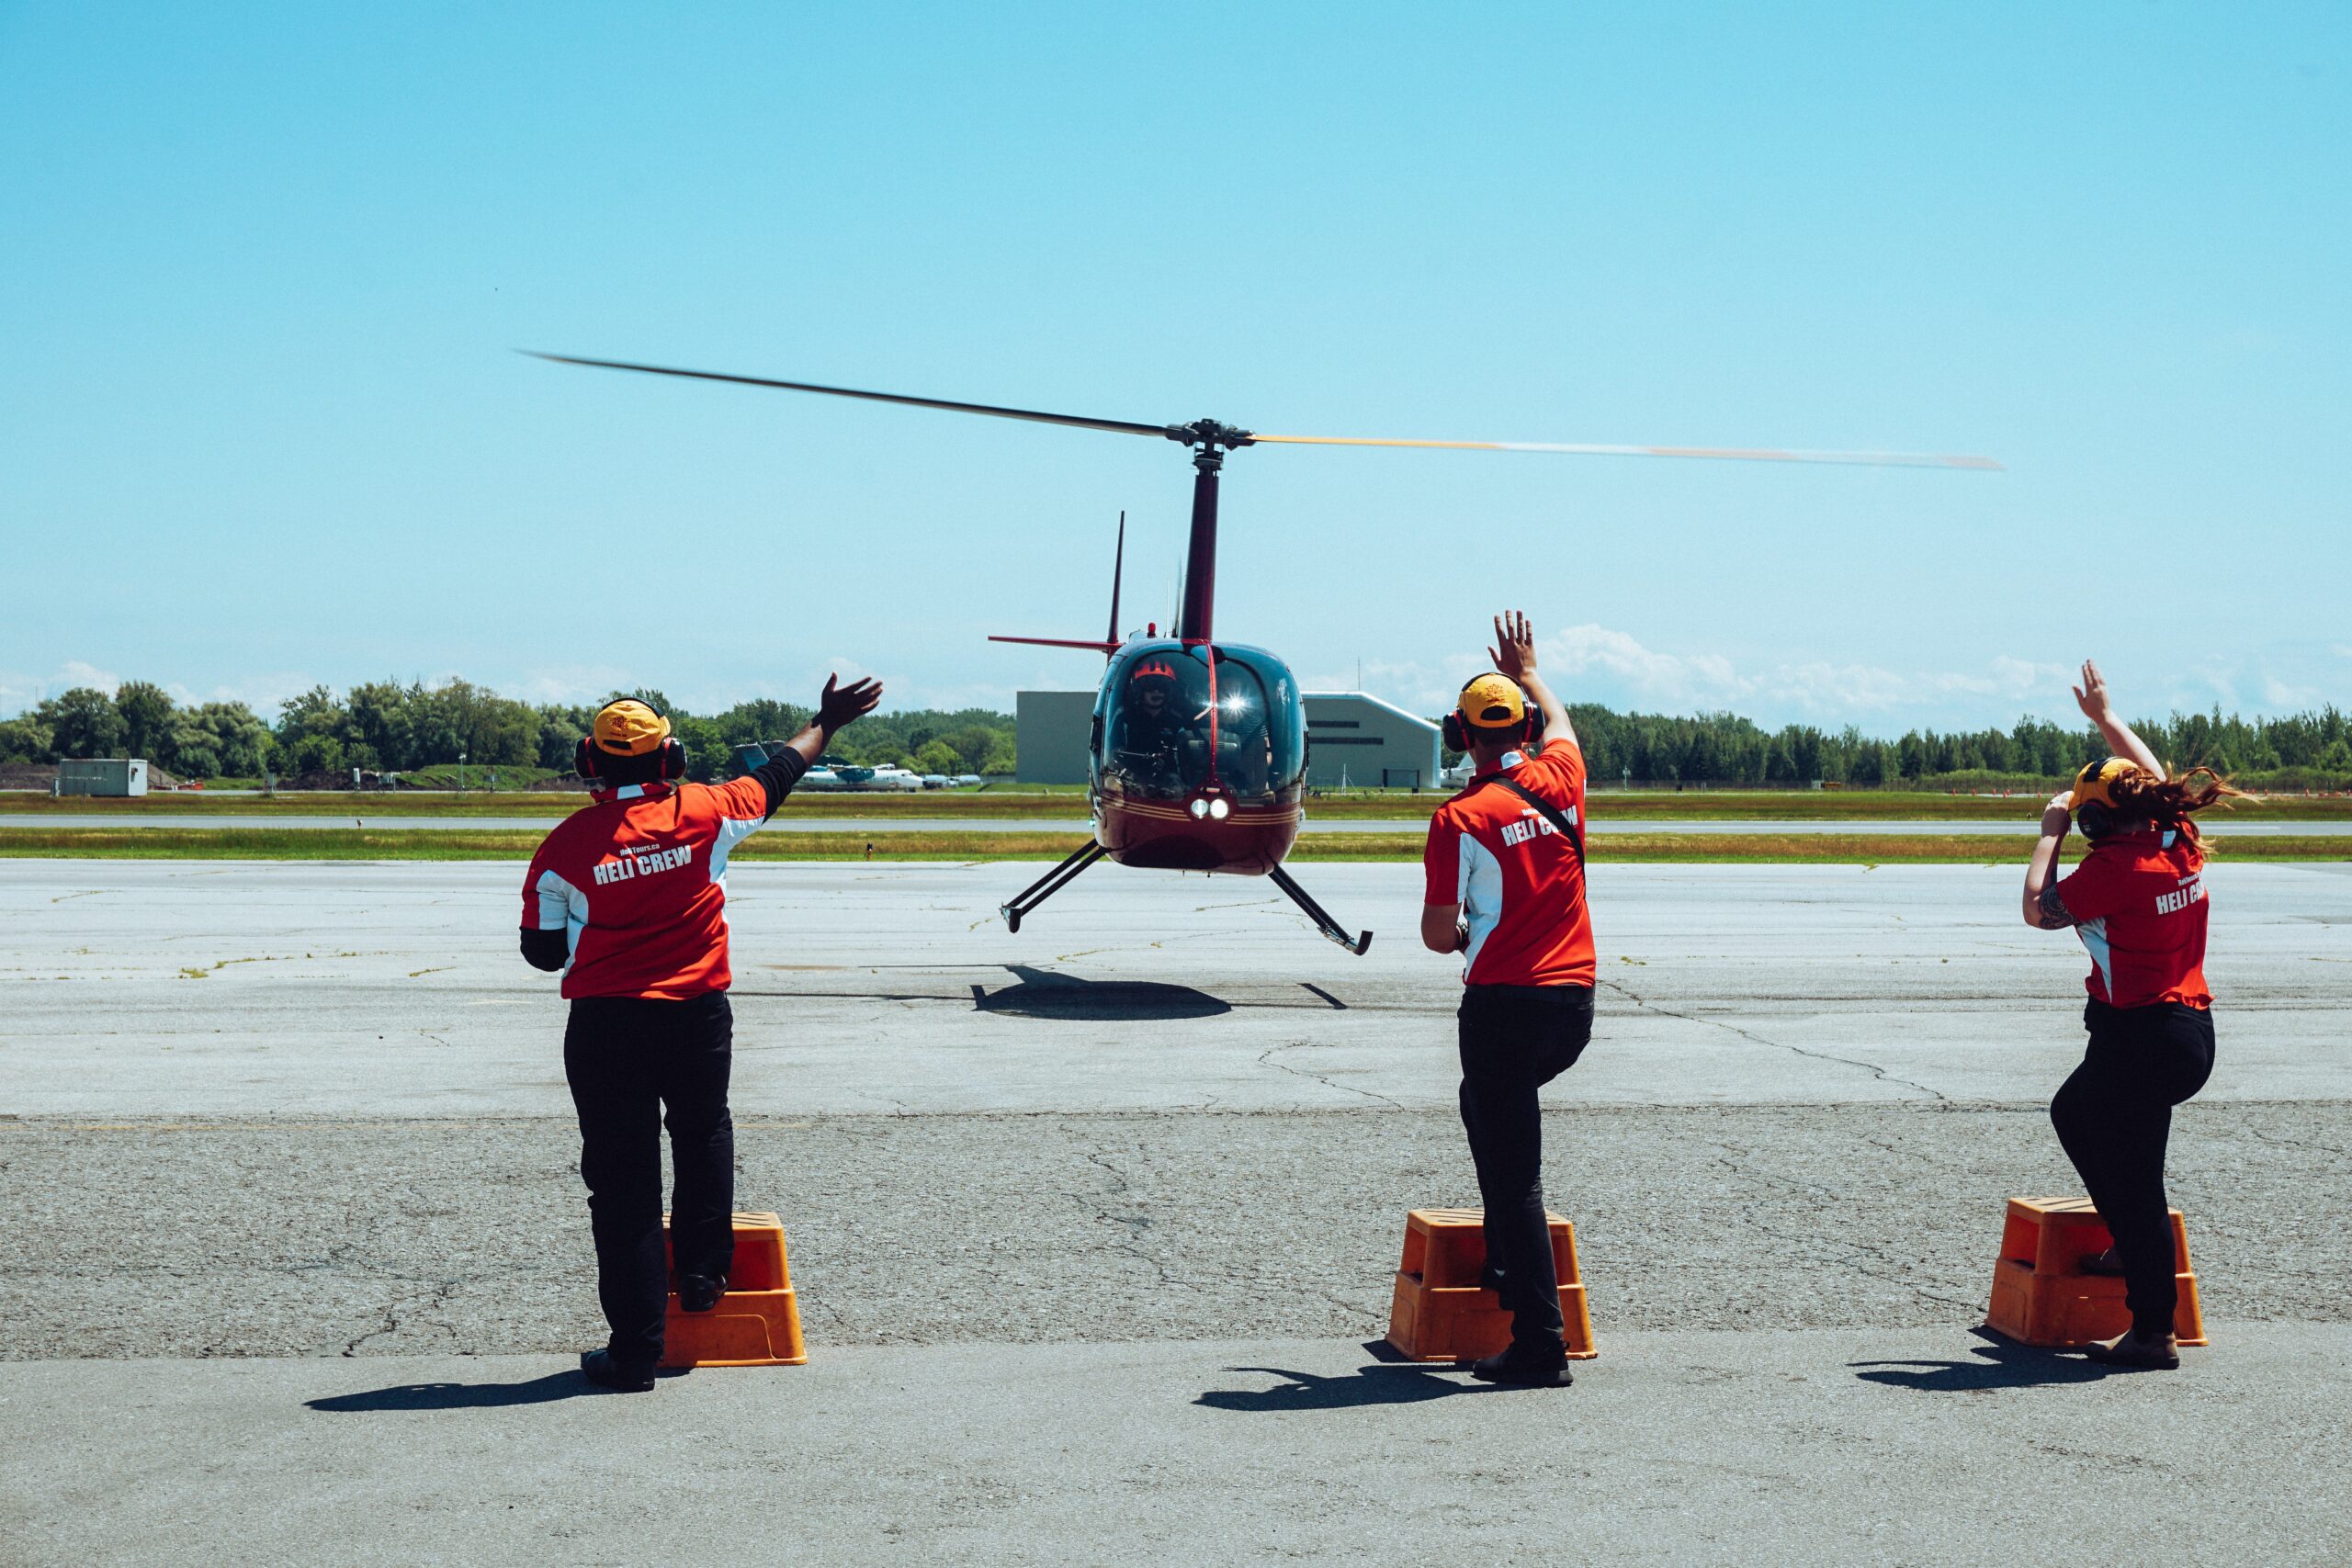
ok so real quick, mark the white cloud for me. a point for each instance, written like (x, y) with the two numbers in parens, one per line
(20, 691)
(2279, 696)
(1681, 678)
(1596, 663)
(571, 685)
(1601, 657)
(73, 673)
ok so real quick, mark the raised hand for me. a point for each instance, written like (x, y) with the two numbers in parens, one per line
(1514, 648)
(842, 705)
(2059, 814)
(2091, 696)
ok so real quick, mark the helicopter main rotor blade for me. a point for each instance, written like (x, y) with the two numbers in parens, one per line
(1121, 427)
(1734, 454)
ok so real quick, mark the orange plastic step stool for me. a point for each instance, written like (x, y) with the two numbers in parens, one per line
(2041, 1296)
(1438, 1313)
(756, 1323)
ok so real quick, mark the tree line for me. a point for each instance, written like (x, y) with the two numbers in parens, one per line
(390, 726)
(2305, 748)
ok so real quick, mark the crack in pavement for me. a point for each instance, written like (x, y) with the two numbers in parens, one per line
(1808, 1245)
(2301, 1144)
(1134, 1224)
(1266, 1059)
(394, 1312)
(1871, 1068)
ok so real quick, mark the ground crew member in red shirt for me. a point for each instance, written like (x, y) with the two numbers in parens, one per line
(2137, 901)
(627, 897)
(1506, 889)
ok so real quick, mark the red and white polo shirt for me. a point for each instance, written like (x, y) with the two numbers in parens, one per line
(2138, 902)
(639, 881)
(1519, 881)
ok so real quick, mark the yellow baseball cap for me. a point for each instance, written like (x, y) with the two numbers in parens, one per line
(629, 729)
(2096, 783)
(1492, 701)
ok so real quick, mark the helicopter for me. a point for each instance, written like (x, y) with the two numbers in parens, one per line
(1197, 752)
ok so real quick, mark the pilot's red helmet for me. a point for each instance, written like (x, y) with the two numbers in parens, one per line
(1153, 669)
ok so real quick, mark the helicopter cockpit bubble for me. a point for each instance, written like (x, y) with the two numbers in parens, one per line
(1180, 721)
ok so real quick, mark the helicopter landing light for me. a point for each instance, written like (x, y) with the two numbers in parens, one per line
(1200, 808)
(1220, 809)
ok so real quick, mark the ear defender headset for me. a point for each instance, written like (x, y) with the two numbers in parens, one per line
(1502, 712)
(629, 728)
(2094, 797)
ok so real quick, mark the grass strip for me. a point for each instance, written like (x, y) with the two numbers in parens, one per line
(786, 844)
(1707, 806)
(1821, 849)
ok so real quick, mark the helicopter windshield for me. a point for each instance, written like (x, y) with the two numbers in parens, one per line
(1179, 719)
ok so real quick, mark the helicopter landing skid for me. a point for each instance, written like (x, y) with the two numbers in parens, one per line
(1323, 922)
(1049, 885)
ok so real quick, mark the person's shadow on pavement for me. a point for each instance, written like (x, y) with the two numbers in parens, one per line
(567, 1384)
(1311, 1391)
(2003, 1363)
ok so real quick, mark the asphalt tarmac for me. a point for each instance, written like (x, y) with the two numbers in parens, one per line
(295, 1249)
(1801, 1446)
(1079, 825)
(170, 988)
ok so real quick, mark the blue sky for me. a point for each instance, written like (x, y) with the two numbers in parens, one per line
(262, 269)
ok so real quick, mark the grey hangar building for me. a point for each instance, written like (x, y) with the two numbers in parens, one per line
(1354, 740)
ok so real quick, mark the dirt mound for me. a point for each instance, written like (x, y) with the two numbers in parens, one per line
(322, 778)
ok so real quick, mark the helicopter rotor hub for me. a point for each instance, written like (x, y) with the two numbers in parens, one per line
(1208, 435)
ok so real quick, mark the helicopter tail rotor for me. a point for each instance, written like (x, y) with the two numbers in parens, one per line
(1112, 640)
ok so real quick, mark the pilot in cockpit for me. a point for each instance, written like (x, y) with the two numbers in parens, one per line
(1151, 731)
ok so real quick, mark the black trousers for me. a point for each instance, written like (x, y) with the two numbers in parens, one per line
(1514, 1040)
(2114, 1115)
(628, 1059)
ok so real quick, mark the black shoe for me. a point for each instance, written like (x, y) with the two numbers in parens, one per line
(1522, 1369)
(700, 1292)
(2108, 1265)
(602, 1369)
(1490, 1279)
(2160, 1353)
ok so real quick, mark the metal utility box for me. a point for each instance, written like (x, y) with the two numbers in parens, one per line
(102, 776)
(1051, 731)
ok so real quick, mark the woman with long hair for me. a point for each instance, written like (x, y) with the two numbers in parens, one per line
(2137, 901)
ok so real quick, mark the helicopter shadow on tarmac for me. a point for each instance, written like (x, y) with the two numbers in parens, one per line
(1043, 993)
